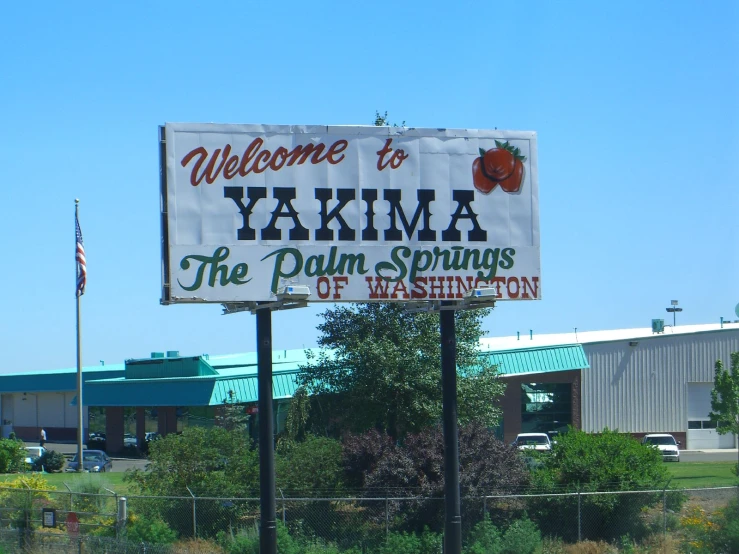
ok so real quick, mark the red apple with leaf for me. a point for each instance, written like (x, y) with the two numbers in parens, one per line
(502, 165)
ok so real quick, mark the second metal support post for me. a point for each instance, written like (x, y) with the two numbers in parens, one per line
(452, 504)
(267, 504)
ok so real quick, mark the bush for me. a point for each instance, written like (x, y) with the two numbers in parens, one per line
(607, 461)
(522, 537)
(406, 543)
(151, 531)
(51, 461)
(309, 467)
(12, 455)
(717, 533)
(416, 468)
(484, 538)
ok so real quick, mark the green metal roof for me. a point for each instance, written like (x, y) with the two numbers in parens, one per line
(206, 380)
(155, 368)
(546, 359)
(207, 390)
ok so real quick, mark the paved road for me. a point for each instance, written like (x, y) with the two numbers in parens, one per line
(708, 455)
(119, 464)
(122, 464)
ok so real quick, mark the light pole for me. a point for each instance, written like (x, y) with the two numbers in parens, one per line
(673, 309)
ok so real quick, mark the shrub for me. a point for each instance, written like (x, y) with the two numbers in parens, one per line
(484, 538)
(522, 537)
(712, 533)
(51, 461)
(416, 467)
(407, 543)
(608, 461)
(151, 531)
(12, 455)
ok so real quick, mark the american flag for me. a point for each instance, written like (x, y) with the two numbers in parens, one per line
(81, 262)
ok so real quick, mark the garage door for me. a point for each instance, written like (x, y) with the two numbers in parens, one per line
(702, 433)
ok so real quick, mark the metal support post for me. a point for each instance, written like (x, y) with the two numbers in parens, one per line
(452, 504)
(579, 517)
(267, 504)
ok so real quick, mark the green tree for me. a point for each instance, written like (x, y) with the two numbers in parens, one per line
(232, 416)
(725, 399)
(380, 367)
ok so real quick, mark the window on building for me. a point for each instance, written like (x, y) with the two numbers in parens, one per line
(546, 407)
(701, 424)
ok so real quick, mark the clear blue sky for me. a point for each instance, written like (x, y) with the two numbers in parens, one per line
(635, 104)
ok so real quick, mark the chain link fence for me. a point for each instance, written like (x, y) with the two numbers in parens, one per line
(342, 522)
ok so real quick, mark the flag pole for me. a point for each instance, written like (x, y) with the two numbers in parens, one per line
(80, 409)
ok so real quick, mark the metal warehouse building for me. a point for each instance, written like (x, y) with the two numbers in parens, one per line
(632, 380)
(643, 382)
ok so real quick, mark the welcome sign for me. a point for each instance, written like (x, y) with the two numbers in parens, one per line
(357, 214)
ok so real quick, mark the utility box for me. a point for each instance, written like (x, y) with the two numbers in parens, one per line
(658, 326)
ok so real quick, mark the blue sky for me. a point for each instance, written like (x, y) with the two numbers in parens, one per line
(635, 106)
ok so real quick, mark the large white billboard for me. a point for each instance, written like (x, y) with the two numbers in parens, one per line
(356, 214)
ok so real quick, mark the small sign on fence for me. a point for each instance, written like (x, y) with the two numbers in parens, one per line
(49, 517)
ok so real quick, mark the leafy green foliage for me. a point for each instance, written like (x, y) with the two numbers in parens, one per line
(381, 367)
(407, 543)
(210, 462)
(207, 462)
(605, 461)
(484, 538)
(51, 461)
(521, 537)
(725, 398)
(150, 531)
(382, 120)
(608, 461)
(310, 467)
(231, 414)
(12, 455)
(297, 415)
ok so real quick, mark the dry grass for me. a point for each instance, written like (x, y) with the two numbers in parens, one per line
(196, 546)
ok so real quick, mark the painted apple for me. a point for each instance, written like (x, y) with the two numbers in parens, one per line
(498, 164)
(502, 165)
(513, 182)
(482, 183)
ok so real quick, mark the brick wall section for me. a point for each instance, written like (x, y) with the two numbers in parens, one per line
(113, 430)
(167, 420)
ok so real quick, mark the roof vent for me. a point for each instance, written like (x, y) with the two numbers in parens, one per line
(173, 353)
(658, 326)
(157, 354)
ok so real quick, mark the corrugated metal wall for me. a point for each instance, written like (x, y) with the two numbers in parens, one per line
(643, 388)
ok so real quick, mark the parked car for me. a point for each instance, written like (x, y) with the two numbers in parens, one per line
(129, 440)
(533, 441)
(95, 461)
(33, 453)
(667, 445)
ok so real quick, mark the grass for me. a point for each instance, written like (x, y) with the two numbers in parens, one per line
(112, 481)
(702, 474)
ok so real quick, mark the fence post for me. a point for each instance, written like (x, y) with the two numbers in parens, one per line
(71, 501)
(579, 516)
(664, 511)
(122, 515)
(284, 519)
(387, 516)
(194, 515)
